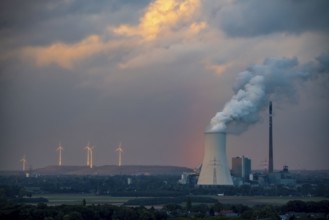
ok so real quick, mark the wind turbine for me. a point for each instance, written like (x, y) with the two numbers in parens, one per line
(120, 151)
(87, 148)
(23, 161)
(91, 156)
(60, 149)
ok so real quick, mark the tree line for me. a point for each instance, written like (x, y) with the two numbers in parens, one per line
(160, 186)
(41, 211)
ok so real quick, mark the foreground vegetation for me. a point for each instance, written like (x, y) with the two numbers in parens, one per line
(315, 185)
(157, 186)
(13, 206)
(9, 210)
(155, 197)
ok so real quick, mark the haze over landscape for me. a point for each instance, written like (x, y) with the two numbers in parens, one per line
(153, 74)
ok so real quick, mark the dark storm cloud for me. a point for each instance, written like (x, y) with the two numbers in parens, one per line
(18, 14)
(257, 17)
(40, 22)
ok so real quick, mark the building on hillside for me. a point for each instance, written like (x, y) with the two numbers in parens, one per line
(189, 178)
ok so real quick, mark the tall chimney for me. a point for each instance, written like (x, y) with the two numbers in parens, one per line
(270, 144)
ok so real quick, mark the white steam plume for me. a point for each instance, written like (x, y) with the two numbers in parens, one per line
(260, 83)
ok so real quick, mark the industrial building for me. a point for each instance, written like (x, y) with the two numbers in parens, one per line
(188, 178)
(282, 177)
(241, 167)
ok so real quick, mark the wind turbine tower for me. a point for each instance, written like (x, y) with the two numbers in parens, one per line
(120, 151)
(91, 156)
(60, 149)
(87, 148)
(23, 161)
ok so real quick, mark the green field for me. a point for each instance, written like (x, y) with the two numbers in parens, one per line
(75, 199)
(260, 200)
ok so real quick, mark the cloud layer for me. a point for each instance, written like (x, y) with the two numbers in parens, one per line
(253, 18)
(152, 74)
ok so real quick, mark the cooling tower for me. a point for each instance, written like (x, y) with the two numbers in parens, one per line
(214, 170)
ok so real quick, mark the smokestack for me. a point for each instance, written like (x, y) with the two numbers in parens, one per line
(270, 144)
(214, 170)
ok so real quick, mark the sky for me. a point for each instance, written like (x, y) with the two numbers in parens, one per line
(151, 74)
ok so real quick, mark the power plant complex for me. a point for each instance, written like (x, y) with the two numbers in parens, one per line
(215, 170)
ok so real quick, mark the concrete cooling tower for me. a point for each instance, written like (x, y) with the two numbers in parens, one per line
(214, 170)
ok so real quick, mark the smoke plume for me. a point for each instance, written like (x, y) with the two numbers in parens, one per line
(254, 87)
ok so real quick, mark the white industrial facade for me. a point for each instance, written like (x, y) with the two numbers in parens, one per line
(215, 170)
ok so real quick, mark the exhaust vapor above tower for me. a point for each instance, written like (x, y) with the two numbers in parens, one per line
(274, 78)
(214, 170)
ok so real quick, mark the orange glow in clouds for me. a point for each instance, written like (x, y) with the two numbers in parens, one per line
(63, 54)
(160, 16)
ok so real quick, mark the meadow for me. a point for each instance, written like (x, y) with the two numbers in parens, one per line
(76, 199)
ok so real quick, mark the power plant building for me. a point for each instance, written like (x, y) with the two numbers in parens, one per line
(241, 167)
(215, 170)
(283, 177)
